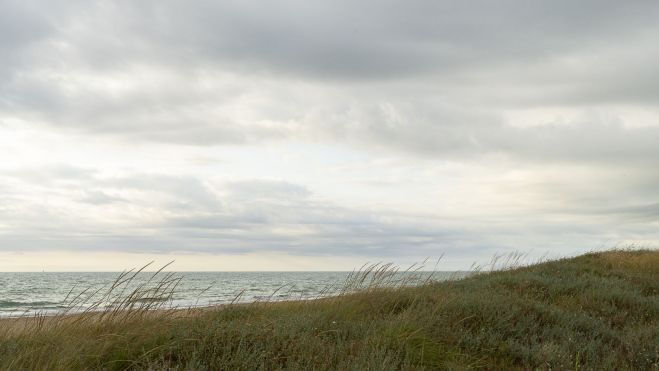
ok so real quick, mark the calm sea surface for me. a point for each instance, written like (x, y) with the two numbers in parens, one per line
(30, 293)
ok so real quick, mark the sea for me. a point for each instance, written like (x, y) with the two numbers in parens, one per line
(32, 293)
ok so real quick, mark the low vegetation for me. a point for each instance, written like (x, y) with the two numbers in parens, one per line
(596, 311)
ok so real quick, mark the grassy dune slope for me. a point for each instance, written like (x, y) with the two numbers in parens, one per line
(596, 311)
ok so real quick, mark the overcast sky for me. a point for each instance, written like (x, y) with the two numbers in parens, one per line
(306, 135)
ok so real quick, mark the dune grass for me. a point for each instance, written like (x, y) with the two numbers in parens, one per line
(593, 312)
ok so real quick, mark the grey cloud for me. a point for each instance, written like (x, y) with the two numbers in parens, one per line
(642, 213)
(185, 192)
(648, 212)
(93, 188)
(594, 196)
(21, 26)
(47, 175)
(261, 215)
(306, 229)
(437, 130)
(348, 39)
(448, 70)
(266, 189)
(100, 198)
(254, 215)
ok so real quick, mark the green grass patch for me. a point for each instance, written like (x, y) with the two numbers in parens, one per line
(596, 311)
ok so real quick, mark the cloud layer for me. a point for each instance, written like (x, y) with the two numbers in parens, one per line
(376, 128)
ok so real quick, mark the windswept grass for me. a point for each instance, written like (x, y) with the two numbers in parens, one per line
(596, 311)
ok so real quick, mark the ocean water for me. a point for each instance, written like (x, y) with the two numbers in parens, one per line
(52, 292)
